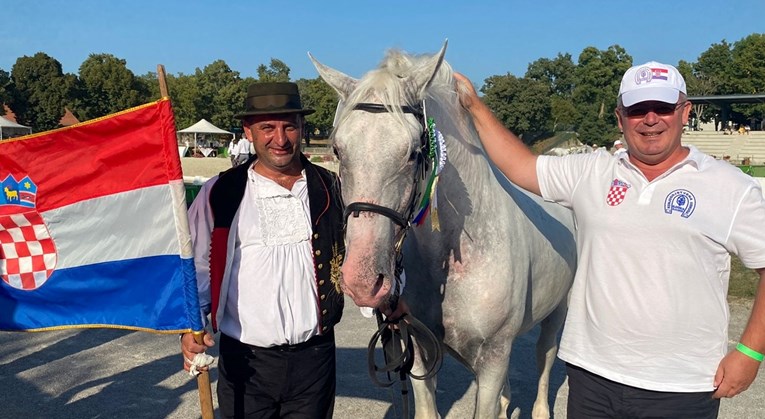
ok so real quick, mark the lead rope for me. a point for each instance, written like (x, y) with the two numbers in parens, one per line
(396, 335)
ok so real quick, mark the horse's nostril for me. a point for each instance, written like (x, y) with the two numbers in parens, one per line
(378, 283)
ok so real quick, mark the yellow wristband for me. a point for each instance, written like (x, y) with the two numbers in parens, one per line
(751, 353)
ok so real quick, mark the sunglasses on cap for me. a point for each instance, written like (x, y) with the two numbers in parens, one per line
(641, 110)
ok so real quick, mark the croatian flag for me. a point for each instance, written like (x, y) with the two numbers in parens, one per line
(659, 73)
(93, 227)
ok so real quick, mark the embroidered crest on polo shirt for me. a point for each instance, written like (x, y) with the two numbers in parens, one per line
(616, 192)
(680, 200)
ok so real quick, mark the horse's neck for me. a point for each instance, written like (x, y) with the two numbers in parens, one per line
(466, 155)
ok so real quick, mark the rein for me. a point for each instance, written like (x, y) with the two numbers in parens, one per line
(396, 335)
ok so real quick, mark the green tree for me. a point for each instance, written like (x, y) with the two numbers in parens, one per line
(697, 85)
(150, 84)
(563, 113)
(5, 89)
(748, 56)
(598, 76)
(108, 86)
(276, 71)
(560, 75)
(219, 94)
(42, 91)
(184, 95)
(522, 105)
(714, 68)
(748, 72)
(318, 95)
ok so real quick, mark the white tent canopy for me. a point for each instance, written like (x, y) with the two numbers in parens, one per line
(8, 128)
(203, 127)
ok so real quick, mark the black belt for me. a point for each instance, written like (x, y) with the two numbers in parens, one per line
(314, 341)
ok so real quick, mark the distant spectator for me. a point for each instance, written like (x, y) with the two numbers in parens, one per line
(232, 151)
(242, 151)
(619, 149)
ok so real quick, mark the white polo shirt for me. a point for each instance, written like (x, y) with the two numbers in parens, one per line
(648, 306)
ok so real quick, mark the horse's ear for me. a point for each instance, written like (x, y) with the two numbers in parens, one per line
(425, 75)
(341, 82)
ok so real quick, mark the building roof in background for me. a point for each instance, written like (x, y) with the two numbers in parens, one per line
(727, 99)
(68, 118)
(9, 115)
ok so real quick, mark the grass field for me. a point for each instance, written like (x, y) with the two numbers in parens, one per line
(743, 281)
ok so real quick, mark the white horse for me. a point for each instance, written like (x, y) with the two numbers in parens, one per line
(502, 260)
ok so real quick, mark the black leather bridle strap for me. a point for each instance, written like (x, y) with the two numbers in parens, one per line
(396, 334)
(379, 108)
(355, 208)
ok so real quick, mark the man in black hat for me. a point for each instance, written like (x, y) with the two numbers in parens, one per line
(268, 245)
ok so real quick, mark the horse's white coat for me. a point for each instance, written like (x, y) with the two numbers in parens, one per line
(502, 261)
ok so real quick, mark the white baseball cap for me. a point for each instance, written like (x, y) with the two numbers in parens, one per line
(618, 142)
(651, 81)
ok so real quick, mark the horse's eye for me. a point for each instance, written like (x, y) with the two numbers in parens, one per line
(413, 156)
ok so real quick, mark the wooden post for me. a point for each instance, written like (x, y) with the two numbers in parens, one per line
(203, 384)
(203, 379)
(162, 81)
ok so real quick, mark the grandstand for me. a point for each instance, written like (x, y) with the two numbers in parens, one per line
(738, 146)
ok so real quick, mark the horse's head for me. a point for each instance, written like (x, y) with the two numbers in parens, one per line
(380, 140)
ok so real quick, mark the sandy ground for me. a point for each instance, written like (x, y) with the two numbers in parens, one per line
(119, 374)
(206, 167)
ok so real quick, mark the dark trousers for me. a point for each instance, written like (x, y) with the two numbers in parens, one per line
(289, 381)
(591, 396)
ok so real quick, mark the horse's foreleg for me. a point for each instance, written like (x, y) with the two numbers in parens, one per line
(491, 377)
(504, 402)
(424, 391)
(546, 350)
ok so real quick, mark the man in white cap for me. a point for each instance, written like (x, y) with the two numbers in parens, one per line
(619, 149)
(646, 334)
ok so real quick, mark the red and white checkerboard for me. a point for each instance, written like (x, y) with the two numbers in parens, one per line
(27, 252)
(616, 195)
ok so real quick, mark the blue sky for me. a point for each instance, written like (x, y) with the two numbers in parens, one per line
(485, 37)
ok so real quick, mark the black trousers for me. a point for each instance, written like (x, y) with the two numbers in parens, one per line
(591, 396)
(288, 381)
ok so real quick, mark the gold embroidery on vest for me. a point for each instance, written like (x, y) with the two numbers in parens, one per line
(334, 267)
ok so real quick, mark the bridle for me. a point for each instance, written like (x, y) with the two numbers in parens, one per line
(402, 220)
(396, 334)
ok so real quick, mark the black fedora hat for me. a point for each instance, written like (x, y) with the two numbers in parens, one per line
(272, 98)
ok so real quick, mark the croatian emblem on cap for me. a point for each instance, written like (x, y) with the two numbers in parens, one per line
(646, 74)
(617, 192)
(680, 200)
(27, 251)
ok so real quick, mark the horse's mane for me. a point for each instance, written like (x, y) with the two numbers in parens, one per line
(384, 85)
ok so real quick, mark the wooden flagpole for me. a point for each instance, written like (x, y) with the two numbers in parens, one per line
(203, 379)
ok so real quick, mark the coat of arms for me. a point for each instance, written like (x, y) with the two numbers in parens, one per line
(27, 252)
